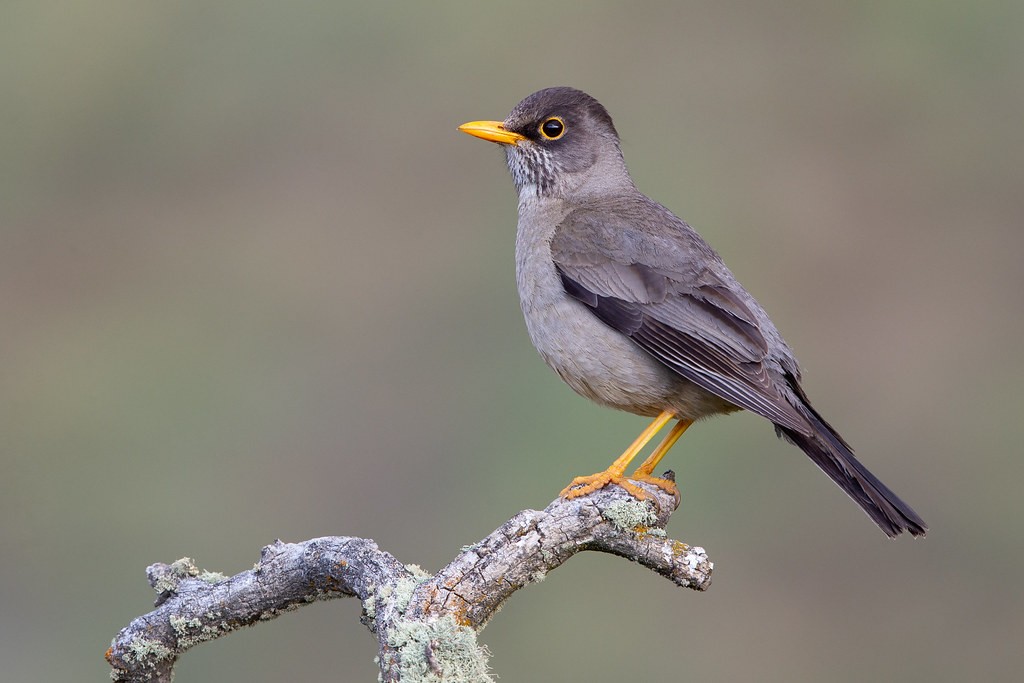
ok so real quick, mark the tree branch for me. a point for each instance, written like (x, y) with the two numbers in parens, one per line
(426, 625)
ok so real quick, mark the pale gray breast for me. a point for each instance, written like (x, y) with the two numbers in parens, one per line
(596, 361)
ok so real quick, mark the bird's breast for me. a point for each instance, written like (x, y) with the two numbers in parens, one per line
(592, 358)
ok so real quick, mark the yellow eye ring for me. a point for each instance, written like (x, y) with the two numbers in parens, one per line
(552, 128)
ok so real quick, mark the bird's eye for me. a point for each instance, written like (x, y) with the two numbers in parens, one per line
(552, 128)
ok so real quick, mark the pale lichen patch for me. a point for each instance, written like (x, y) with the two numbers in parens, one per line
(176, 571)
(440, 650)
(144, 650)
(370, 605)
(403, 593)
(418, 572)
(191, 632)
(211, 577)
(404, 587)
(631, 515)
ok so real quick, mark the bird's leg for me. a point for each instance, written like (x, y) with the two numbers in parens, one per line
(645, 472)
(615, 474)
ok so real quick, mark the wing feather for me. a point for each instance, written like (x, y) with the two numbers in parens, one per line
(695, 322)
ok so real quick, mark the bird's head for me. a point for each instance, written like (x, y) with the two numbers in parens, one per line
(559, 142)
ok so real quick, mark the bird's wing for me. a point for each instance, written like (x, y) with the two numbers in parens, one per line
(665, 289)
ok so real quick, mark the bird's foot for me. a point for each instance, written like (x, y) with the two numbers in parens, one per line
(581, 486)
(666, 483)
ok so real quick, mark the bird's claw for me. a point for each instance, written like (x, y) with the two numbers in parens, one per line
(581, 486)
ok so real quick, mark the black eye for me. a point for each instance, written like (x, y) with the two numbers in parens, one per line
(552, 128)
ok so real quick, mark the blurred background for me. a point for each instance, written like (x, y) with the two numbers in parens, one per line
(255, 285)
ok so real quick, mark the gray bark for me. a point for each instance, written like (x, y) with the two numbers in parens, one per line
(426, 626)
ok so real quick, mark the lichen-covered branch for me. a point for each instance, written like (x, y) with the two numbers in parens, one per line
(426, 625)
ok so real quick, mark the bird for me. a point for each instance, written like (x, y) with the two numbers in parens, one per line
(633, 309)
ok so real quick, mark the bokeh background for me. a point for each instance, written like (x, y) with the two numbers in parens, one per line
(254, 285)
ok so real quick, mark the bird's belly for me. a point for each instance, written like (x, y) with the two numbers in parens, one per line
(598, 362)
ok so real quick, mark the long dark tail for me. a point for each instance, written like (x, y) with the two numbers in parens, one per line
(834, 456)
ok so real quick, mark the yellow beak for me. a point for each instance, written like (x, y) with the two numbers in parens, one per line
(491, 130)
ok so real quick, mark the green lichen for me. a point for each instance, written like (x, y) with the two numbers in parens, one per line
(182, 626)
(176, 571)
(403, 593)
(404, 587)
(211, 577)
(438, 651)
(185, 568)
(191, 632)
(418, 572)
(370, 605)
(145, 651)
(631, 515)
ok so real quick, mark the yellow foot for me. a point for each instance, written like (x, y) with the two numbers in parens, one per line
(665, 484)
(581, 486)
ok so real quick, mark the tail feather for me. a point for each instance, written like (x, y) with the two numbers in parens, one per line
(834, 456)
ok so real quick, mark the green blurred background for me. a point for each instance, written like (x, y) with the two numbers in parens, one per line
(254, 285)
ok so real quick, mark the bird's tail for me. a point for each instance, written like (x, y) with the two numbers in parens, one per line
(834, 456)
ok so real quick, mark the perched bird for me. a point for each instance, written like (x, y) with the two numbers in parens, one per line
(633, 309)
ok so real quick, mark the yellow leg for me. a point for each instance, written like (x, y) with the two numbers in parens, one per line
(615, 474)
(646, 470)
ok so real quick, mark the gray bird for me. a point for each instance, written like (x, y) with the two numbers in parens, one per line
(633, 309)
